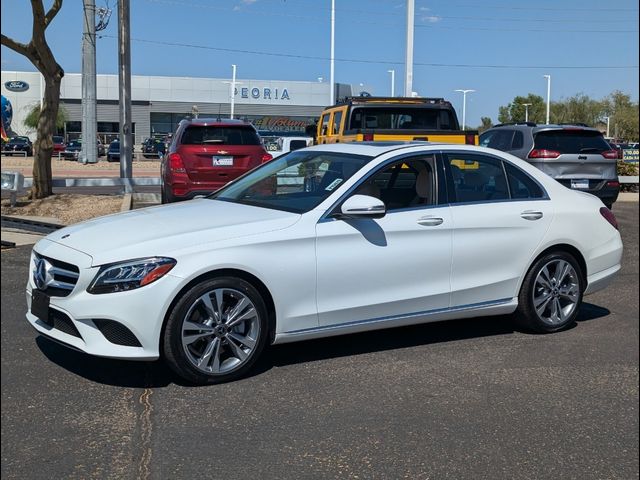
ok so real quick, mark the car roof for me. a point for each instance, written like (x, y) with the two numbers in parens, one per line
(546, 127)
(378, 148)
(218, 122)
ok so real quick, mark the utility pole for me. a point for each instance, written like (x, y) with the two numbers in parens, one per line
(124, 83)
(408, 62)
(89, 151)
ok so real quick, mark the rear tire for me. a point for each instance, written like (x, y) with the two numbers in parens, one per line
(216, 331)
(551, 293)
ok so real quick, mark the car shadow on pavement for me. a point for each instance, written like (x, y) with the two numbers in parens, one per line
(155, 374)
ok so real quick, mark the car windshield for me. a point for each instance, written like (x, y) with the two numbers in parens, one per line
(296, 182)
(75, 144)
(57, 139)
(18, 140)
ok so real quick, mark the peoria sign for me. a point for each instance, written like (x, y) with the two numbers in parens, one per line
(263, 93)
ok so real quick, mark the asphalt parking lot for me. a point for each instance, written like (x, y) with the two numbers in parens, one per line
(472, 399)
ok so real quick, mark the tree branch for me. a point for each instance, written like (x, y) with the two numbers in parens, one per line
(53, 11)
(18, 47)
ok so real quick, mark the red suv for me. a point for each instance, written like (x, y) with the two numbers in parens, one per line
(206, 154)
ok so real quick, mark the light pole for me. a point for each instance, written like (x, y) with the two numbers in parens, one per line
(526, 111)
(233, 90)
(408, 62)
(548, 77)
(464, 105)
(393, 82)
(332, 99)
(607, 126)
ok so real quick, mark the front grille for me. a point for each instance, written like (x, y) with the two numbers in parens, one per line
(59, 277)
(60, 321)
(116, 333)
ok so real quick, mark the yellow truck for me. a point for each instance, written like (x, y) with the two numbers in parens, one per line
(367, 119)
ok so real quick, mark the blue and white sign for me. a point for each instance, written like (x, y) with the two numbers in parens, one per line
(16, 86)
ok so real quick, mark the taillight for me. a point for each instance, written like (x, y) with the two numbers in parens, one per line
(266, 157)
(609, 217)
(544, 153)
(620, 155)
(613, 184)
(176, 164)
(612, 154)
(367, 137)
(470, 139)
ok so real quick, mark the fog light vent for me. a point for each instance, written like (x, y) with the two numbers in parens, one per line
(116, 333)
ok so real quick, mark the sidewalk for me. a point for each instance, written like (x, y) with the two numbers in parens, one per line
(74, 169)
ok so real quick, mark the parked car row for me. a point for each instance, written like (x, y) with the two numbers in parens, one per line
(576, 156)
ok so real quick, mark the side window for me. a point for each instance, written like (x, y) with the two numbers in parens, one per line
(477, 178)
(325, 124)
(403, 184)
(522, 186)
(518, 140)
(337, 119)
(500, 140)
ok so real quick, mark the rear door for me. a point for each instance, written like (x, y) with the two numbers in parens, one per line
(214, 153)
(577, 158)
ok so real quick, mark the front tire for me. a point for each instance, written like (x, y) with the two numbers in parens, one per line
(216, 331)
(551, 293)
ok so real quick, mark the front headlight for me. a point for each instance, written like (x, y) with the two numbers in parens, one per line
(124, 276)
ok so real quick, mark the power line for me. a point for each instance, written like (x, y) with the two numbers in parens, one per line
(439, 17)
(382, 62)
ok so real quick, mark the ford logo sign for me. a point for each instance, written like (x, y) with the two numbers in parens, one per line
(16, 86)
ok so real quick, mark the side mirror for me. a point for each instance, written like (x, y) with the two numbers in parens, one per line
(363, 206)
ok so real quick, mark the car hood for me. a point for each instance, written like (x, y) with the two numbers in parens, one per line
(168, 229)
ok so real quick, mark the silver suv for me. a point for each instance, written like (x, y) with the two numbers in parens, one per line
(575, 155)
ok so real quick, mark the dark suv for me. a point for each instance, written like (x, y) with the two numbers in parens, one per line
(205, 154)
(576, 156)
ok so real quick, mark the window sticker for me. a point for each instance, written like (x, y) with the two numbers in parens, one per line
(333, 184)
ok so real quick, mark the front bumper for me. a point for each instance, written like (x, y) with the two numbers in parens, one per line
(78, 320)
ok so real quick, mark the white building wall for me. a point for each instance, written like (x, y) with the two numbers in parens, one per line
(173, 94)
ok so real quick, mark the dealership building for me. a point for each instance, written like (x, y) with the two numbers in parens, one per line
(159, 103)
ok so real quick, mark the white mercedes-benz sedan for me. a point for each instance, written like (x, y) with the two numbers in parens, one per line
(324, 241)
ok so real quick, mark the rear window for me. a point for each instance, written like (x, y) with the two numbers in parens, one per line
(212, 135)
(571, 141)
(58, 139)
(402, 118)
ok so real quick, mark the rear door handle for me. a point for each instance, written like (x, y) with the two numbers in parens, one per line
(430, 221)
(531, 215)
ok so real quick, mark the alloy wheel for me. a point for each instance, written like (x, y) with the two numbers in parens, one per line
(220, 331)
(556, 292)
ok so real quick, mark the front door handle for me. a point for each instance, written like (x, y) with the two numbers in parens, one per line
(430, 221)
(531, 215)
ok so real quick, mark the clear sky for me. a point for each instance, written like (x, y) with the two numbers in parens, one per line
(499, 48)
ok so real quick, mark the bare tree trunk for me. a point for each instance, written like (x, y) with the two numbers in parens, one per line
(43, 149)
(39, 53)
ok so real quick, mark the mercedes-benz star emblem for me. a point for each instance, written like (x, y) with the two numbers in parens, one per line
(42, 273)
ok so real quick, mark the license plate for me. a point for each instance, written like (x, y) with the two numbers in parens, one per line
(40, 305)
(222, 161)
(582, 184)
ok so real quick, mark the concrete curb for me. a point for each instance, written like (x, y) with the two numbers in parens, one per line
(127, 200)
(628, 197)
